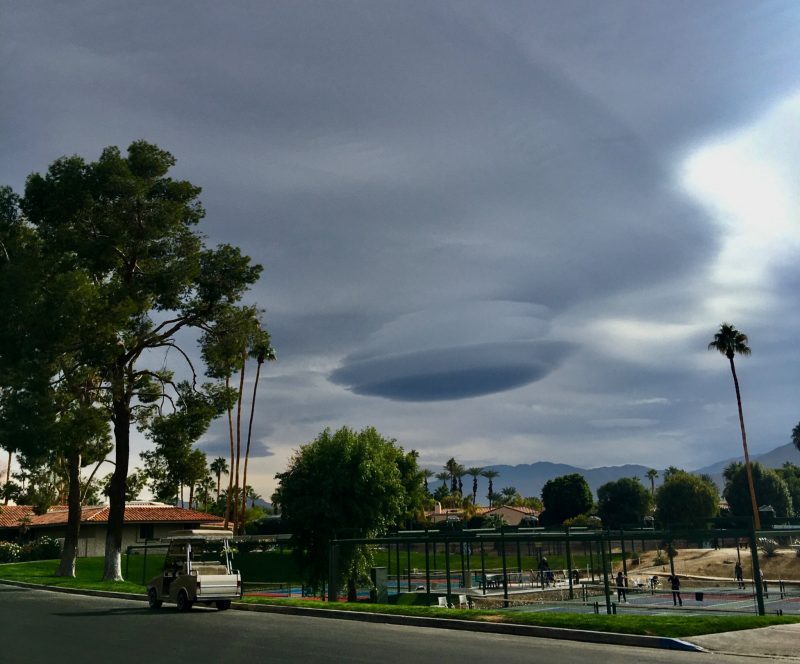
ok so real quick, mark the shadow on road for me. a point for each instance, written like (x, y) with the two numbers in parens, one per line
(138, 611)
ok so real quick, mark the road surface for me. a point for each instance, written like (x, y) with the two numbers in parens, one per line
(41, 627)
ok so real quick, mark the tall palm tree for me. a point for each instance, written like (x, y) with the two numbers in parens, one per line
(427, 473)
(729, 341)
(490, 474)
(651, 475)
(460, 472)
(451, 467)
(219, 466)
(475, 472)
(262, 351)
(443, 476)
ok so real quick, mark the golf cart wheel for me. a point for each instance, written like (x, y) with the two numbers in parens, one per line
(183, 601)
(152, 599)
(223, 605)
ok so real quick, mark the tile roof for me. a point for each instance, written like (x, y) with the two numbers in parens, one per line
(57, 516)
(11, 514)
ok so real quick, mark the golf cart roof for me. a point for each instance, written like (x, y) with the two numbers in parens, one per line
(200, 534)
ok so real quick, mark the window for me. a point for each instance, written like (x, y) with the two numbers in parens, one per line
(146, 531)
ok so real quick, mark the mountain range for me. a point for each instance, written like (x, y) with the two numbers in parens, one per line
(529, 478)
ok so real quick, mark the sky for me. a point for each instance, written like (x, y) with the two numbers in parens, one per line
(500, 231)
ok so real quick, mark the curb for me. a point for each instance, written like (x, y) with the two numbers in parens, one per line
(586, 636)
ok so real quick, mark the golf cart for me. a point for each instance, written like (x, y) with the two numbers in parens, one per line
(197, 568)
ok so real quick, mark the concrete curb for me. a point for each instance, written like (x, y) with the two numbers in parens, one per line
(585, 636)
(486, 627)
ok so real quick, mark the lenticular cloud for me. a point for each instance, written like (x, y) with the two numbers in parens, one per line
(461, 351)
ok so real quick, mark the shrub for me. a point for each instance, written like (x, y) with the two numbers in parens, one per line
(44, 548)
(768, 546)
(9, 552)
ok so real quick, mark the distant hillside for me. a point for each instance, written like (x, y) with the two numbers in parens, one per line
(529, 478)
(772, 459)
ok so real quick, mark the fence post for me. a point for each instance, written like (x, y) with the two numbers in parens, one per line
(756, 570)
(447, 567)
(427, 567)
(333, 573)
(604, 562)
(569, 563)
(505, 566)
(483, 567)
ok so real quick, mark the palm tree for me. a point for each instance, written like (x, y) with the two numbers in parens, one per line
(252, 496)
(729, 341)
(651, 475)
(218, 467)
(451, 467)
(427, 473)
(475, 472)
(262, 351)
(509, 495)
(443, 476)
(203, 492)
(460, 472)
(490, 474)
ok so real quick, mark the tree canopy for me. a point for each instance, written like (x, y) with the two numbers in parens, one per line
(770, 489)
(113, 246)
(686, 499)
(623, 502)
(345, 484)
(565, 497)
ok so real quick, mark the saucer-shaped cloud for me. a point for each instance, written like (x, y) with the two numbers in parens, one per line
(461, 351)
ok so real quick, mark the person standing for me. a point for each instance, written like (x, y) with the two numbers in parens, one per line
(675, 584)
(737, 573)
(622, 595)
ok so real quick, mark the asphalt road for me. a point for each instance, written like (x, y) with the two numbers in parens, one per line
(38, 627)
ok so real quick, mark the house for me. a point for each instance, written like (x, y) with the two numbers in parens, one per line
(144, 520)
(12, 517)
(512, 515)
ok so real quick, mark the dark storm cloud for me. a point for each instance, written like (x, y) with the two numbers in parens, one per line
(446, 197)
(452, 373)
(220, 447)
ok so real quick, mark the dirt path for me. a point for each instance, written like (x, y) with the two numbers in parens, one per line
(720, 562)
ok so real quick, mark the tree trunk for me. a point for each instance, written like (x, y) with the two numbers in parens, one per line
(112, 570)
(230, 474)
(236, 516)
(8, 476)
(249, 437)
(70, 551)
(747, 466)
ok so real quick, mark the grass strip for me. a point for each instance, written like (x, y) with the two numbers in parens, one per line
(668, 626)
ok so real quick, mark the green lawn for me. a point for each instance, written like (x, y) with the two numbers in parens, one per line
(668, 626)
(89, 571)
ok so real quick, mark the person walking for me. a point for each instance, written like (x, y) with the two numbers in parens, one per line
(675, 584)
(737, 573)
(622, 594)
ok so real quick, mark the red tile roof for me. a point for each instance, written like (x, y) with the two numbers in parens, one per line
(10, 515)
(57, 516)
